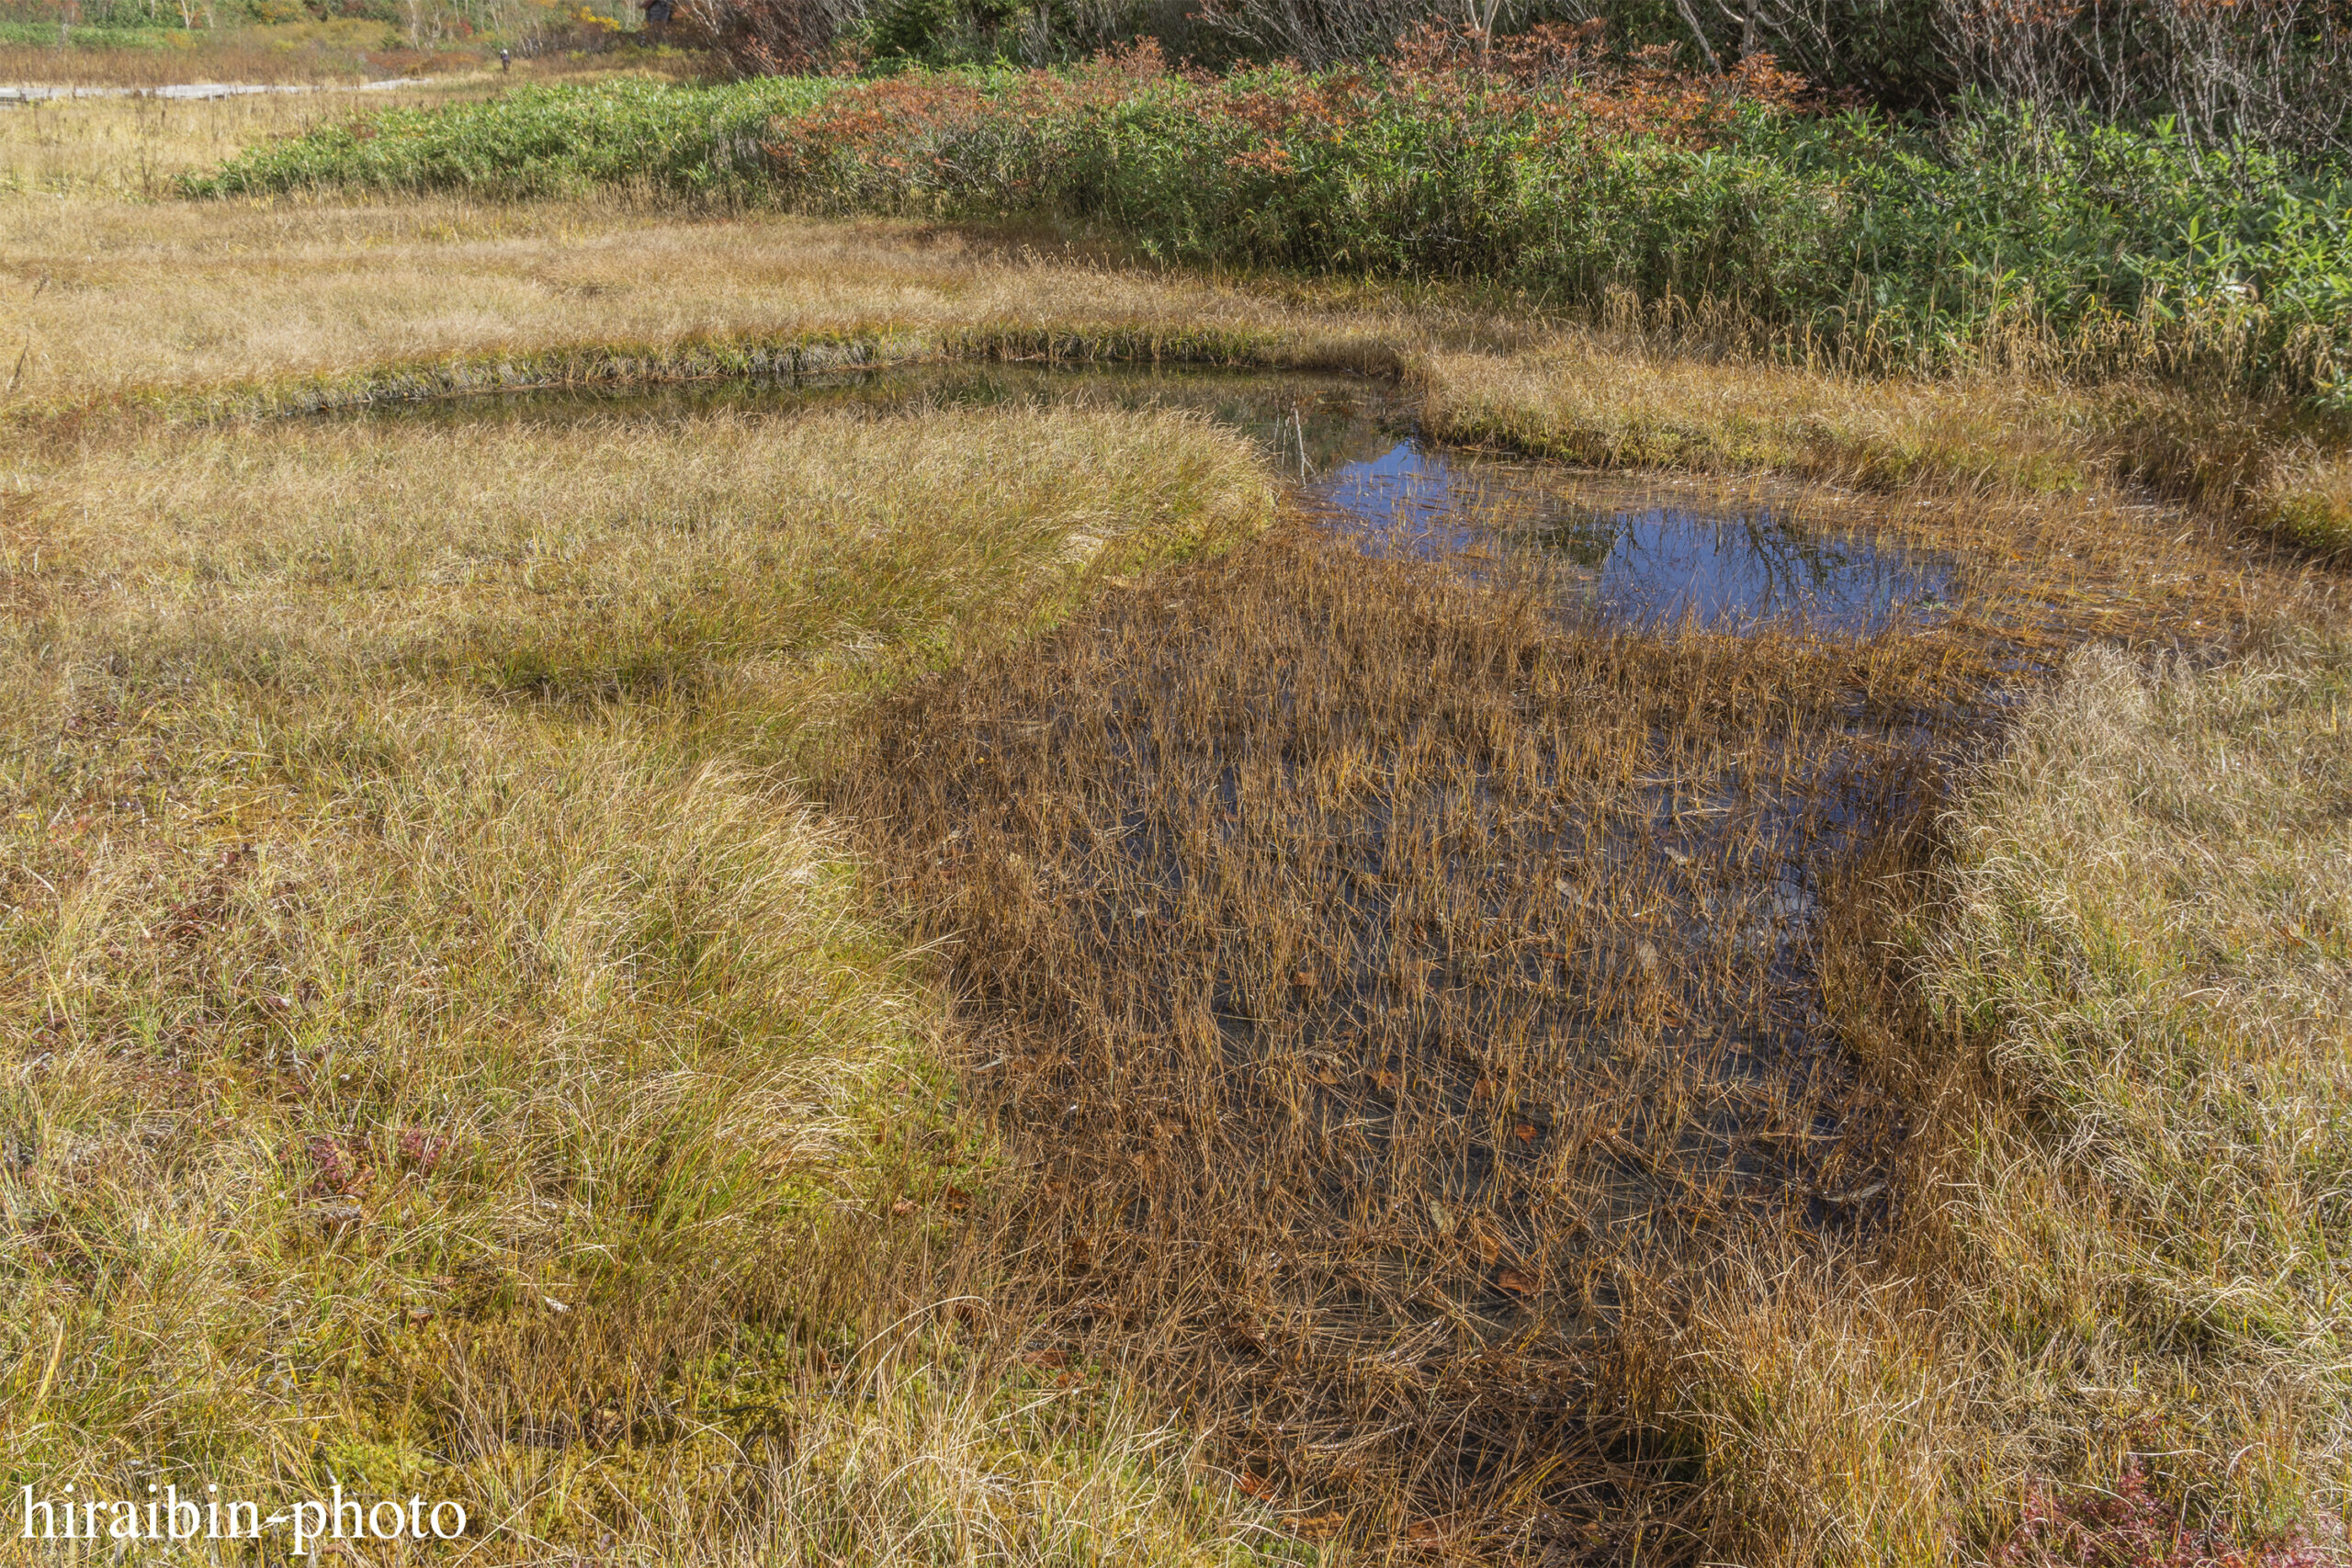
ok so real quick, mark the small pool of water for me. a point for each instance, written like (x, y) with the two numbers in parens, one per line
(1643, 550)
(1651, 554)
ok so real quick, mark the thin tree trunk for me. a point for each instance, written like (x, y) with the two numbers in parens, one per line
(1706, 48)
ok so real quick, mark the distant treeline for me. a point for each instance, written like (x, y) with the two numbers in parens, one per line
(2274, 73)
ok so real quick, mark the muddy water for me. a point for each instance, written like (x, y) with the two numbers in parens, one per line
(1646, 551)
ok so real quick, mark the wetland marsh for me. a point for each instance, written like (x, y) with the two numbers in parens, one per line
(1042, 954)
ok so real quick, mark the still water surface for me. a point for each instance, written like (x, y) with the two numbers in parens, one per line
(1639, 550)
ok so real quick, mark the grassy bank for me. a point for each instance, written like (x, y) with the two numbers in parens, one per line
(153, 306)
(1623, 399)
(2107, 1329)
(2149, 1203)
(449, 1058)
(151, 312)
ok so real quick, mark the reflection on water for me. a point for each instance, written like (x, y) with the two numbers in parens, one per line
(1640, 550)
(1640, 556)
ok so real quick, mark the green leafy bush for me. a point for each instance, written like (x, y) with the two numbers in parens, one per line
(538, 141)
(1875, 241)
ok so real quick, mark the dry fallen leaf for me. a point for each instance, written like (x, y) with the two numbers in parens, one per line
(1857, 1195)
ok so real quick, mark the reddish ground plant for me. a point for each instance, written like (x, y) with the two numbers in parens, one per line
(2134, 1526)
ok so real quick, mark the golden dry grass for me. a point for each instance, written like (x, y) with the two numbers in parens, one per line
(1393, 1003)
(343, 52)
(185, 297)
(2148, 937)
(445, 1053)
(465, 760)
(2310, 501)
(1612, 403)
(346, 49)
(136, 148)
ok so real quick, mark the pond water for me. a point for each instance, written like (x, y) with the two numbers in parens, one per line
(1639, 549)
(1725, 562)
(1697, 880)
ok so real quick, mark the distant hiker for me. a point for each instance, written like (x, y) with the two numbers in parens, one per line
(657, 18)
(505, 61)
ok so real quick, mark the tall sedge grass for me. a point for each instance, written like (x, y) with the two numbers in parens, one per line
(445, 1052)
(1387, 997)
(2310, 501)
(2147, 934)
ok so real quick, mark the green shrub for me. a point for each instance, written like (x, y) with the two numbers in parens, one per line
(538, 141)
(1874, 241)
